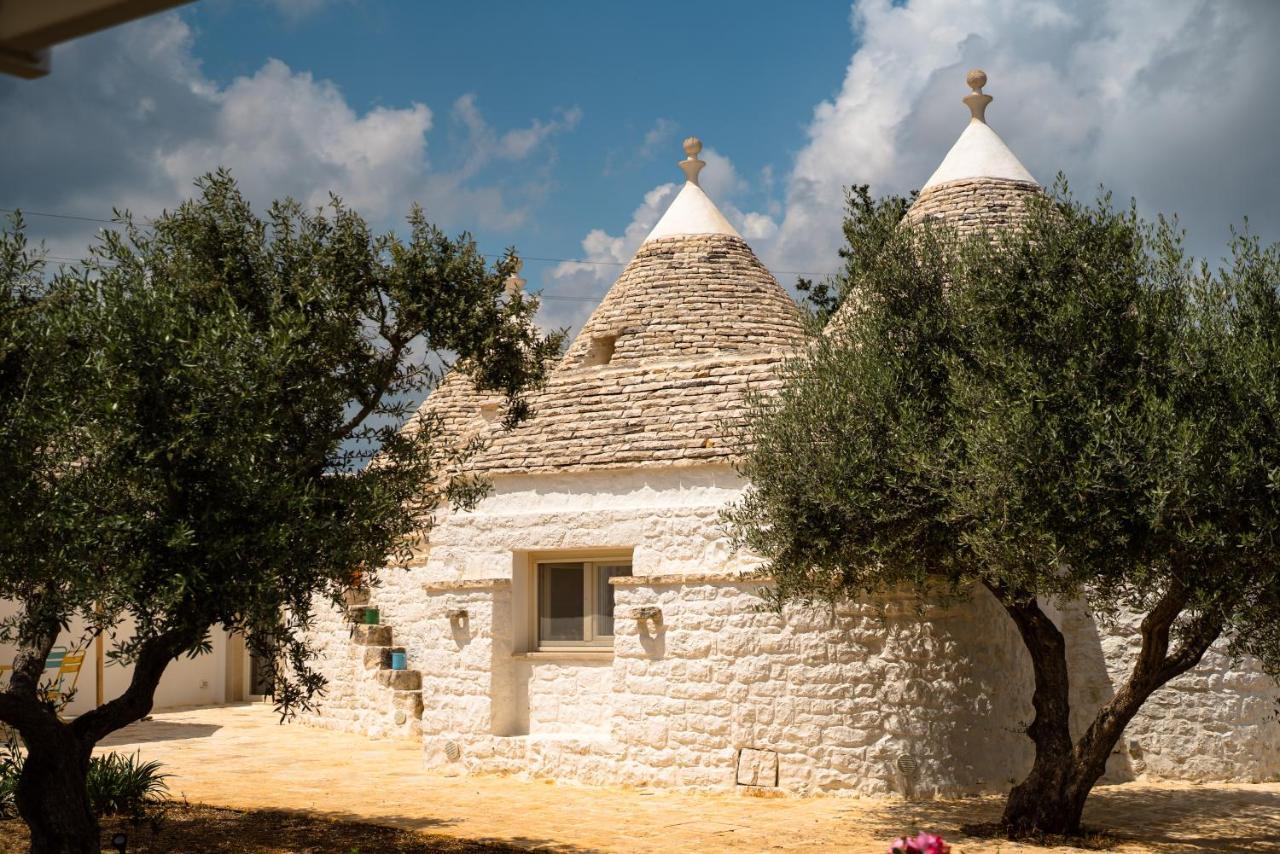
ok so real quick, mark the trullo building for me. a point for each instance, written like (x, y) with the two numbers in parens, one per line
(588, 620)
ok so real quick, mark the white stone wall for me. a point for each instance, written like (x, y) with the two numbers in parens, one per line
(837, 698)
(1216, 722)
(839, 695)
(353, 700)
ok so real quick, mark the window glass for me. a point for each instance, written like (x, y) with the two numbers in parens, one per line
(560, 602)
(604, 596)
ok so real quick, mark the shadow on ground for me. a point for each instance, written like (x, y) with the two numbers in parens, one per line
(427, 825)
(147, 732)
(200, 829)
(1178, 821)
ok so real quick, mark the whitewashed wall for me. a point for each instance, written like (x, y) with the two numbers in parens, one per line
(200, 681)
(836, 700)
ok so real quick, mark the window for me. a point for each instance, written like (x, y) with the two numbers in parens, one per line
(575, 602)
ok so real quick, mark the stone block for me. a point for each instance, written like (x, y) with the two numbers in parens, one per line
(372, 635)
(379, 656)
(409, 702)
(757, 767)
(401, 680)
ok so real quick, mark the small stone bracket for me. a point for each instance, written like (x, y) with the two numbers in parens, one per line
(648, 614)
(458, 617)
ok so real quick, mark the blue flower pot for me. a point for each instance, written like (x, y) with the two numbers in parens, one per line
(398, 661)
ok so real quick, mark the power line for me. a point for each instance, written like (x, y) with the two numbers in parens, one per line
(546, 260)
(60, 216)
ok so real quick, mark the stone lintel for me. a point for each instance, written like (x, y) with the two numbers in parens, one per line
(689, 579)
(467, 584)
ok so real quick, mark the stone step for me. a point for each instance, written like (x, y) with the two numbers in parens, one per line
(371, 635)
(401, 680)
(355, 614)
(379, 657)
(409, 702)
(357, 598)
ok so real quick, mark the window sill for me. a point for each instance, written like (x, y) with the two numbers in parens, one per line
(565, 655)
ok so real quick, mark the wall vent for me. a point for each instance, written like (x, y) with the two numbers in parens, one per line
(601, 350)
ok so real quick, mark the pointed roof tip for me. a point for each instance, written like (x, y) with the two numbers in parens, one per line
(691, 165)
(976, 101)
(692, 211)
(979, 152)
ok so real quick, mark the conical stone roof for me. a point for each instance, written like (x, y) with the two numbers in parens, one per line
(980, 184)
(666, 361)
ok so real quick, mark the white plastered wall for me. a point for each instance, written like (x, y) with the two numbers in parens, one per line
(199, 681)
(840, 697)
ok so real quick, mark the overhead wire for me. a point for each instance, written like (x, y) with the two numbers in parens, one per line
(542, 295)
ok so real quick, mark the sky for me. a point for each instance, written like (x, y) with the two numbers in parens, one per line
(555, 127)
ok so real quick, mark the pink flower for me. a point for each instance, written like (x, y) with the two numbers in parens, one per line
(923, 843)
(930, 843)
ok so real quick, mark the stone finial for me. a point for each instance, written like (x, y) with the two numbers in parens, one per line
(975, 100)
(691, 165)
(514, 283)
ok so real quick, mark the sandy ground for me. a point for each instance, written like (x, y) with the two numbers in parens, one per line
(242, 757)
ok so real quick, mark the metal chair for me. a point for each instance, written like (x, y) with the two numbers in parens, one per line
(68, 665)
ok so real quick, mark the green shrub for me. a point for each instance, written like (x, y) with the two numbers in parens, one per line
(117, 783)
(124, 784)
(11, 758)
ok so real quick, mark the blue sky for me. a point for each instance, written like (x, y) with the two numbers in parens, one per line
(555, 127)
(740, 74)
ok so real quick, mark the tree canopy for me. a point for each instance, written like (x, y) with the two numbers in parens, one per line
(187, 421)
(1073, 409)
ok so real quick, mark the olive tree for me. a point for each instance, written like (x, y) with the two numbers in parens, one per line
(1069, 411)
(187, 420)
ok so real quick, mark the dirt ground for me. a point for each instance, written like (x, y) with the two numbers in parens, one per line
(241, 757)
(211, 830)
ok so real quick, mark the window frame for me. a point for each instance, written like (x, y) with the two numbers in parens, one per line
(592, 564)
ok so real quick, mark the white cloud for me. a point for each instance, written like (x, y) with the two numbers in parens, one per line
(1168, 102)
(656, 137)
(484, 144)
(157, 122)
(288, 134)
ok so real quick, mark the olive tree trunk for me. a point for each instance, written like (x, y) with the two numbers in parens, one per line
(52, 797)
(1051, 798)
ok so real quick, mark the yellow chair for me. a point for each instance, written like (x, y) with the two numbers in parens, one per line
(53, 662)
(69, 665)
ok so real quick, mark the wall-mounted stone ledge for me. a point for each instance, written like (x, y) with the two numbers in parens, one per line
(689, 579)
(467, 584)
(602, 655)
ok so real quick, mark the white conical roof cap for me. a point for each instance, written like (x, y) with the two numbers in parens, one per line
(979, 152)
(692, 211)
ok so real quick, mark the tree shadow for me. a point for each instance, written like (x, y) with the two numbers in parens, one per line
(147, 732)
(426, 824)
(1180, 820)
